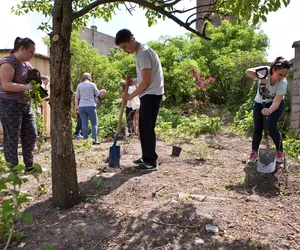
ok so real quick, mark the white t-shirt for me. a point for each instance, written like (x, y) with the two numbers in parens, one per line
(146, 58)
(271, 91)
(134, 103)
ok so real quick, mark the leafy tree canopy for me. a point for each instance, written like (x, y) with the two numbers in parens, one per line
(83, 10)
(231, 51)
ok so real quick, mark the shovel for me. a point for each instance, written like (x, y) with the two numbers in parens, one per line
(114, 150)
(266, 157)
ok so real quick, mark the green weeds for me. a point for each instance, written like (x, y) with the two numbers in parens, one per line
(11, 200)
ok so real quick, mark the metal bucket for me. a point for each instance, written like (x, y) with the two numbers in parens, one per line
(176, 151)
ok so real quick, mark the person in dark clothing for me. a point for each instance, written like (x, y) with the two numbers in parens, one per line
(78, 131)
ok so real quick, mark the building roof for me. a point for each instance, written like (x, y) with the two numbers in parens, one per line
(296, 44)
(94, 28)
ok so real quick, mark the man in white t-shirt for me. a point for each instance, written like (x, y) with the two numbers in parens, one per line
(150, 89)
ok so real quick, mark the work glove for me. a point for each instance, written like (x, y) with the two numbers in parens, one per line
(28, 86)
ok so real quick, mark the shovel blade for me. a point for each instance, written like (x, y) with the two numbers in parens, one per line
(266, 161)
(114, 156)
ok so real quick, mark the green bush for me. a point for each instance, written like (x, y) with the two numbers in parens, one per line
(194, 126)
(245, 125)
(12, 200)
(292, 146)
(243, 120)
(209, 125)
(165, 131)
(108, 119)
(178, 127)
(171, 115)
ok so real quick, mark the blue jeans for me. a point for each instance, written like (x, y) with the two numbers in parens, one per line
(272, 120)
(149, 108)
(86, 113)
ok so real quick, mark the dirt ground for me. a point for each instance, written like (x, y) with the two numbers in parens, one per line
(169, 208)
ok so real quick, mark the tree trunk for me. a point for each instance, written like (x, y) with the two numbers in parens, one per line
(64, 177)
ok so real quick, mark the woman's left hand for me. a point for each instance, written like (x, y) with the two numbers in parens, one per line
(266, 111)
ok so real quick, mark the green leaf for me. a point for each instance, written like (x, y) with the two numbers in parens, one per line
(26, 217)
(48, 246)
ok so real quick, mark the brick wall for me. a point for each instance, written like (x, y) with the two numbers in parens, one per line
(295, 90)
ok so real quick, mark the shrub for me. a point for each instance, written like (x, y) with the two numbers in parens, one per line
(292, 146)
(12, 200)
(186, 128)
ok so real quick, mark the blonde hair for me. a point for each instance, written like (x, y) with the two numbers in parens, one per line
(86, 76)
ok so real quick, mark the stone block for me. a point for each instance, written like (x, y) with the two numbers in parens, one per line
(297, 74)
(295, 116)
(295, 90)
(295, 126)
(295, 100)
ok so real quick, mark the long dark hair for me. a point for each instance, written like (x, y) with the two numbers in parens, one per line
(19, 42)
(280, 63)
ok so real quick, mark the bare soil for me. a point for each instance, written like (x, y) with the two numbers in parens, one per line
(169, 209)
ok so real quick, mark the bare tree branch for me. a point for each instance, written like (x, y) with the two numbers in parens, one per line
(166, 8)
(129, 9)
(90, 7)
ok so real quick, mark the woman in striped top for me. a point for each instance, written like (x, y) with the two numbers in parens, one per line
(16, 116)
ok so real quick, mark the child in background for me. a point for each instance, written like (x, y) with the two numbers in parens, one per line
(132, 109)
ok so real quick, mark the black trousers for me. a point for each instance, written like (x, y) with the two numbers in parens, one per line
(129, 120)
(149, 108)
(272, 121)
(78, 125)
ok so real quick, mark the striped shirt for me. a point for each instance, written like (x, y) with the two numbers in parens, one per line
(19, 77)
